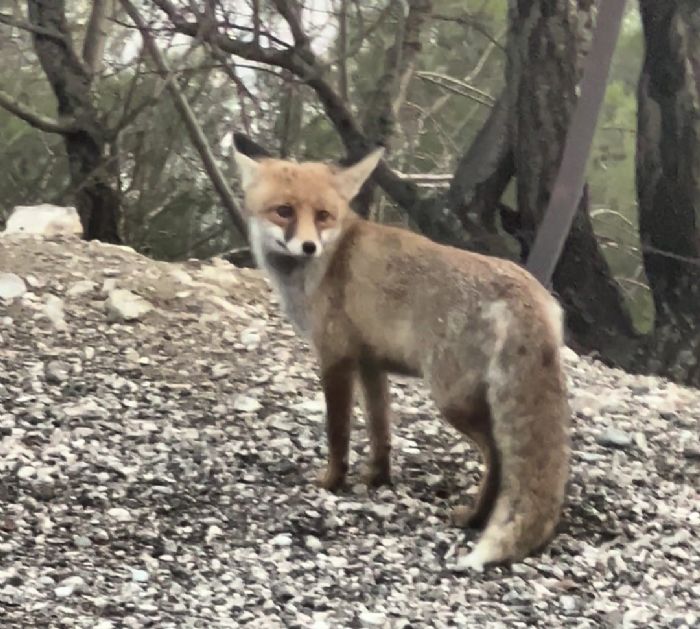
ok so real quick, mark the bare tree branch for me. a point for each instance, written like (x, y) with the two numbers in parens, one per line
(291, 12)
(445, 80)
(195, 131)
(30, 28)
(440, 223)
(43, 123)
(467, 20)
(95, 36)
(455, 86)
(343, 50)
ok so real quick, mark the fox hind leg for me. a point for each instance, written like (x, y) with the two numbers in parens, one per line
(474, 421)
(477, 515)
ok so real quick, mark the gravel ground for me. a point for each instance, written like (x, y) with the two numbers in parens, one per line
(156, 472)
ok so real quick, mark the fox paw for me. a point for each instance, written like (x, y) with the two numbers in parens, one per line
(473, 562)
(330, 479)
(376, 476)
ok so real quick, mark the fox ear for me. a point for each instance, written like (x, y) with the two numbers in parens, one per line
(243, 144)
(350, 180)
(247, 167)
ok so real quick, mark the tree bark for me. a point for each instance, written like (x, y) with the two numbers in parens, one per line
(384, 103)
(547, 41)
(668, 181)
(97, 201)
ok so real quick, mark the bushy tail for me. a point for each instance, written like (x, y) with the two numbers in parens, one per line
(530, 422)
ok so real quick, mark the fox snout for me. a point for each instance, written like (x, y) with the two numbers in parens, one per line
(304, 247)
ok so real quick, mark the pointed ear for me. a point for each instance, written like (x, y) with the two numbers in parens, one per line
(249, 147)
(247, 168)
(350, 180)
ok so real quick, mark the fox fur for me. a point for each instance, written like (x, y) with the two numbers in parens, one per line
(373, 300)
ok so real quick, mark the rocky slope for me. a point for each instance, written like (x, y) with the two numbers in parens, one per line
(159, 429)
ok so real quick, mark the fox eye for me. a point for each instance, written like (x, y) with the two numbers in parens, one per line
(322, 216)
(285, 211)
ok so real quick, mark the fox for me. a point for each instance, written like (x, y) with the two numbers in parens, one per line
(374, 300)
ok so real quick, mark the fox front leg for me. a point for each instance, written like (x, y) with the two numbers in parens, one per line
(376, 389)
(337, 382)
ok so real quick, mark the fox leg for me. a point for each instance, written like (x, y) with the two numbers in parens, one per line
(337, 383)
(376, 389)
(473, 419)
(477, 515)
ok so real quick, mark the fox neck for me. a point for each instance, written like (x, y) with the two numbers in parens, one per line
(293, 278)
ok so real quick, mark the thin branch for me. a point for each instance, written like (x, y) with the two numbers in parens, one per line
(256, 22)
(36, 120)
(343, 50)
(363, 33)
(467, 20)
(457, 86)
(130, 116)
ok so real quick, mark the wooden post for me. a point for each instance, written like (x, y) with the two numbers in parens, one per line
(568, 187)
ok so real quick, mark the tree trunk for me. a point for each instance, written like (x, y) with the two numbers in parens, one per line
(96, 198)
(668, 182)
(547, 41)
(383, 104)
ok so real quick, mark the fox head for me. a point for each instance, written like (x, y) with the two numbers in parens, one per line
(298, 209)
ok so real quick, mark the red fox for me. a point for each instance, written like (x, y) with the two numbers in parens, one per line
(372, 300)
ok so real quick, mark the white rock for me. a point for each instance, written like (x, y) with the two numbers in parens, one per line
(383, 510)
(34, 281)
(123, 305)
(246, 404)
(11, 286)
(85, 408)
(68, 586)
(337, 561)
(614, 438)
(569, 355)
(108, 285)
(223, 277)
(80, 288)
(568, 603)
(313, 543)
(181, 276)
(213, 532)
(119, 514)
(53, 309)
(372, 619)
(281, 540)
(45, 219)
(25, 472)
(139, 576)
(250, 337)
(63, 591)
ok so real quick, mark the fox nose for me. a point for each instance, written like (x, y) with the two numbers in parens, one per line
(308, 247)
